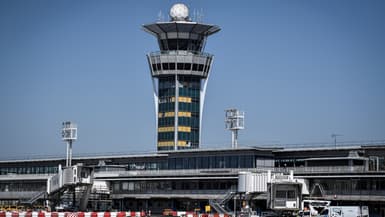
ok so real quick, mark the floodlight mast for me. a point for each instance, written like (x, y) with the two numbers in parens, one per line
(234, 121)
(69, 135)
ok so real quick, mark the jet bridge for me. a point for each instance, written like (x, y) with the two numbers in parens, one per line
(71, 186)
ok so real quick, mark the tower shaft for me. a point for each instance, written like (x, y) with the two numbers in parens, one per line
(179, 72)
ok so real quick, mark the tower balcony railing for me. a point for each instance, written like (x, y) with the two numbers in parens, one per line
(180, 53)
(180, 62)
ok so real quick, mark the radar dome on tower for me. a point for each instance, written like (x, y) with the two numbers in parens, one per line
(179, 12)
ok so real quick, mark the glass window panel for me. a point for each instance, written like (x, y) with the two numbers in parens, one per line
(200, 67)
(179, 163)
(199, 162)
(195, 67)
(187, 66)
(172, 44)
(205, 162)
(234, 162)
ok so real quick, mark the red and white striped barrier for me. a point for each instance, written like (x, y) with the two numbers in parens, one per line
(100, 214)
(71, 214)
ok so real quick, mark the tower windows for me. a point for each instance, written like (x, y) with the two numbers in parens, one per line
(165, 66)
(182, 44)
(180, 66)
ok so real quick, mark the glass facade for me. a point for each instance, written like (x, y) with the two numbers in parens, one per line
(23, 186)
(175, 186)
(182, 44)
(180, 104)
(220, 161)
(181, 66)
(28, 170)
(351, 186)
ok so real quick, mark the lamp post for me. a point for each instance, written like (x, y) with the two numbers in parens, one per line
(334, 136)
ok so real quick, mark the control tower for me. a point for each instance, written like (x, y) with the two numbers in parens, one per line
(179, 74)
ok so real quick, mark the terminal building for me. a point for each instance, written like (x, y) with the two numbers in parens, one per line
(192, 179)
(180, 176)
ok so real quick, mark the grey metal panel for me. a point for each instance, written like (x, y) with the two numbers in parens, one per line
(163, 36)
(184, 35)
(172, 35)
(197, 28)
(171, 58)
(153, 29)
(68, 176)
(194, 36)
(18, 194)
(168, 27)
(242, 181)
(54, 183)
(186, 27)
(202, 28)
(24, 177)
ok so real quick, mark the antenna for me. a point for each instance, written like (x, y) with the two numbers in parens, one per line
(335, 138)
(69, 135)
(199, 16)
(194, 16)
(160, 16)
(234, 121)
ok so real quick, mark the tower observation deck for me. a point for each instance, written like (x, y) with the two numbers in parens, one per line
(179, 71)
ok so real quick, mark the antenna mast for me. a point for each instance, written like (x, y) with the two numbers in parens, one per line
(160, 16)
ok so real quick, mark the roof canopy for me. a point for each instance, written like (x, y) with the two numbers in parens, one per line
(188, 27)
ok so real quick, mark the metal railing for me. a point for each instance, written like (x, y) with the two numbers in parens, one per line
(323, 169)
(355, 192)
(180, 172)
(171, 191)
(25, 176)
(313, 145)
(180, 53)
(235, 171)
(35, 197)
(18, 194)
(206, 172)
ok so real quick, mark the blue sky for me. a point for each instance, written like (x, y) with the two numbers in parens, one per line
(300, 69)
